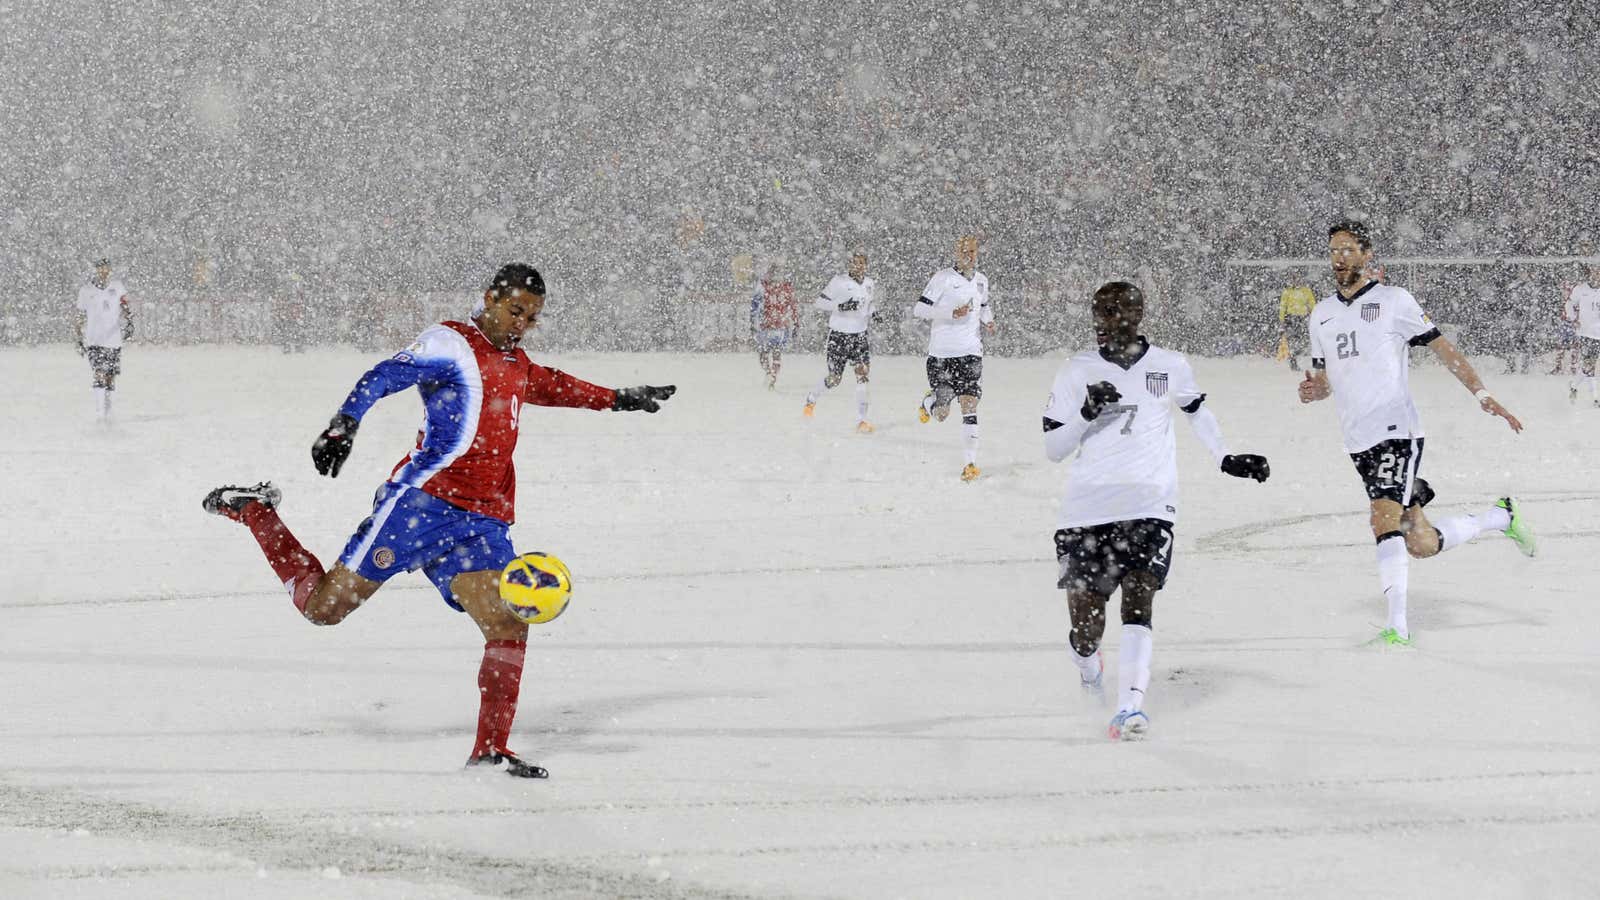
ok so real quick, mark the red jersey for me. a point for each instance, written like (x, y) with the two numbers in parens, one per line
(472, 395)
(778, 309)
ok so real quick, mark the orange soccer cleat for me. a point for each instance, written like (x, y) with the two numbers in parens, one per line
(970, 472)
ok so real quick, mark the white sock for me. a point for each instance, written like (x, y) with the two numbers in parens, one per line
(1133, 667)
(969, 437)
(1594, 386)
(1089, 667)
(102, 407)
(861, 401)
(817, 391)
(1392, 565)
(1458, 530)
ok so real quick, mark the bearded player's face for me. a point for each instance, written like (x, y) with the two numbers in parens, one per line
(1348, 258)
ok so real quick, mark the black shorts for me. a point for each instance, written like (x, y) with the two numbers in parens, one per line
(847, 348)
(1389, 471)
(1096, 557)
(104, 360)
(960, 376)
(1589, 349)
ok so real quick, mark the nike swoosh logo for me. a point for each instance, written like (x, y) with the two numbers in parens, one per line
(1325, 321)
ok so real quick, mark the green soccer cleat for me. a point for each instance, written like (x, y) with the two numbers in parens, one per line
(1518, 530)
(1393, 639)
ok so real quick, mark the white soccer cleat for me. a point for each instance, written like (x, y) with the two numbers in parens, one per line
(1129, 725)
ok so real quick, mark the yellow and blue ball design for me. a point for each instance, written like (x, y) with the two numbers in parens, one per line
(536, 587)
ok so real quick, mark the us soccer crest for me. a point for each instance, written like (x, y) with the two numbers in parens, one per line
(1156, 383)
(1369, 312)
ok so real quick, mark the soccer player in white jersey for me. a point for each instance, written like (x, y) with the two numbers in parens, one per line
(1114, 407)
(1360, 338)
(956, 303)
(848, 300)
(1583, 310)
(103, 322)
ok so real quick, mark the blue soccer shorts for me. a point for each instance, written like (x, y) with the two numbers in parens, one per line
(410, 529)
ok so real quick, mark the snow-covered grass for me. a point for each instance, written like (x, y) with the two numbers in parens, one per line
(799, 661)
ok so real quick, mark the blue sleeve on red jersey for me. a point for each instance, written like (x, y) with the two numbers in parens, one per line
(392, 376)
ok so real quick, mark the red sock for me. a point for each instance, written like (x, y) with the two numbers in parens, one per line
(298, 570)
(499, 682)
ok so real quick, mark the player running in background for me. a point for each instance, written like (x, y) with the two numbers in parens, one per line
(956, 303)
(104, 320)
(774, 317)
(1294, 304)
(1114, 407)
(1583, 311)
(1360, 338)
(849, 302)
(448, 505)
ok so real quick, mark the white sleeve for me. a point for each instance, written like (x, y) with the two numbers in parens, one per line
(1209, 431)
(826, 302)
(1064, 424)
(927, 305)
(1316, 342)
(81, 304)
(1410, 321)
(985, 309)
(1187, 395)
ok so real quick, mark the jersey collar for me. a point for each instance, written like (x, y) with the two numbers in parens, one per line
(1130, 362)
(1352, 298)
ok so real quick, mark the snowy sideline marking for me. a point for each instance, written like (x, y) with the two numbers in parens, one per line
(260, 841)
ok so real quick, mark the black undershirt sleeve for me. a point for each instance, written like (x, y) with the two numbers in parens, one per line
(1426, 338)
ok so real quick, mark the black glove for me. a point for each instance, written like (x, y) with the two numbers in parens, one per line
(850, 306)
(333, 445)
(1246, 465)
(643, 398)
(1101, 395)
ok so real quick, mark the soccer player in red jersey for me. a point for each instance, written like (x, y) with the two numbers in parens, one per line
(447, 506)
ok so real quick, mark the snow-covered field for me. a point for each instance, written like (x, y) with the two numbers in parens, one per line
(800, 661)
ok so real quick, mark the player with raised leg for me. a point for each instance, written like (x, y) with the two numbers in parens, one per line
(1114, 407)
(448, 505)
(956, 305)
(848, 300)
(1361, 336)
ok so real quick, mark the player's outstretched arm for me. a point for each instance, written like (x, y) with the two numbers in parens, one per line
(1209, 431)
(553, 387)
(1457, 363)
(403, 370)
